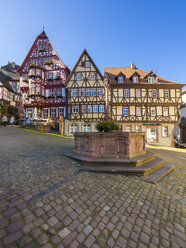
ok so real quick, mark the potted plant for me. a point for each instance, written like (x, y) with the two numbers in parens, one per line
(107, 126)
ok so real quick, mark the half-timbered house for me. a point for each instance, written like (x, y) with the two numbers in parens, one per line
(43, 77)
(143, 101)
(86, 93)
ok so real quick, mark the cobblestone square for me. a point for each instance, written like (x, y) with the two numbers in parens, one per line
(45, 201)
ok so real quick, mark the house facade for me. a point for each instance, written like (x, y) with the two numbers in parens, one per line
(6, 91)
(143, 101)
(87, 96)
(42, 81)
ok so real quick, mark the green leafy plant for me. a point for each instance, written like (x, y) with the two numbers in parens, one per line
(48, 62)
(107, 126)
(41, 50)
(1, 109)
(34, 76)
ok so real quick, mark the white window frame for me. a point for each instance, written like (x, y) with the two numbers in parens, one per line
(153, 111)
(94, 92)
(126, 93)
(138, 129)
(75, 109)
(79, 77)
(61, 109)
(87, 64)
(86, 128)
(154, 93)
(73, 129)
(125, 111)
(74, 92)
(95, 108)
(89, 92)
(83, 92)
(101, 108)
(84, 108)
(100, 91)
(165, 133)
(45, 116)
(53, 114)
(165, 111)
(120, 80)
(135, 79)
(89, 108)
(92, 76)
(128, 129)
(166, 93)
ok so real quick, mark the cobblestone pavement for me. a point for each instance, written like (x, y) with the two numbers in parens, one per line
(46, 202)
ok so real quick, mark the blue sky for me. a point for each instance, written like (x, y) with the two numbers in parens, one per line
(150, 33)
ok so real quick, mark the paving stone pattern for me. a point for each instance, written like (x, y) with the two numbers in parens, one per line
(87, 210)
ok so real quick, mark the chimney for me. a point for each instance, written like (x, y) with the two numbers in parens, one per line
(133, 66)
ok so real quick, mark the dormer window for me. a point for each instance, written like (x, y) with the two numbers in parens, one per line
(135, 79)
(151, 79)
(120, 80)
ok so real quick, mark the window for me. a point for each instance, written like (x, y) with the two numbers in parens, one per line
(88, 92)
(154, 93)
(61, 111)
(50, 75)
(100, 92)
(126, 93)
(58, 74)
(75, 109)
(92, 76)
(45, 113)
(138, 93)
(59, 92)
(153, 111)
(93, 92)
(38, 90)
(51, 92)
(138, 128)
(101, 108)
(120, 80)
(78, 76)
(138, 111)
(84, 108)
(89, 108)
(82, 92)
(128, 129)
(135, 79)
(53, 112)
(95, 108)
(152, 134)
(164, 131)
(87, 64)
(74, 92)
(151, 79)
(32, 90)
(165, 111)
(125, 111)
(166, 93)
(73, 128)
(86, 128)
(32, 71)
(38, 72)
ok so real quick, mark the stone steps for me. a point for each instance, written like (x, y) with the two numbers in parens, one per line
(159, 174)
(150, 167)
(140, 170)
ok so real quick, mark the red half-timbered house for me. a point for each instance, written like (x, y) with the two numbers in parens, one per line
(42, 82)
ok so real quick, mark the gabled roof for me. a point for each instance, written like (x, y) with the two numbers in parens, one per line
(42, 35)
(77, 63)
(121, 73)
(134, 73)
(112, 72)
(150, 73)
(3, 80)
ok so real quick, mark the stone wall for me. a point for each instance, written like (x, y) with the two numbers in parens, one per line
(110, 145)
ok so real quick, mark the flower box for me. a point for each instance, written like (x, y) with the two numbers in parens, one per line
(41, 50)
(48, 62)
